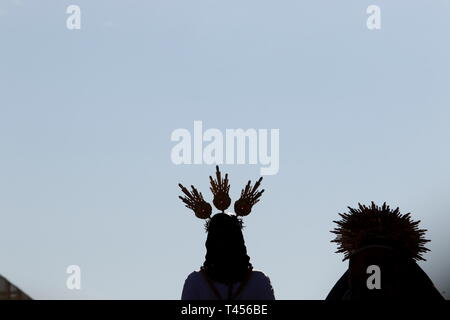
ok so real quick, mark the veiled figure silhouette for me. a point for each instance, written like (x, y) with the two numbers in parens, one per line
(378, 236)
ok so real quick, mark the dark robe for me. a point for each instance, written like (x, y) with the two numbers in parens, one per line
(401, 278)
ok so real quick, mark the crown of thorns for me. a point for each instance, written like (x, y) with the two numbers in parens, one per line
(220, 187)
(371, 224)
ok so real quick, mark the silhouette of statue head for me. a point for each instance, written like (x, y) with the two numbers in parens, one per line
(379, 236)
(226, 257)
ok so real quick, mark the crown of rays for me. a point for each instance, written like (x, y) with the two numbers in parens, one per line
(372, 224)
(220, 188)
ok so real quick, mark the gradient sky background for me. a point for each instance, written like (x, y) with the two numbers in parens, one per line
(86, 118)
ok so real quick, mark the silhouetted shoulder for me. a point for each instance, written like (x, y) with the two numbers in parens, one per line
(194, 275)
(259, 275)
(261, 285)
(190, 287)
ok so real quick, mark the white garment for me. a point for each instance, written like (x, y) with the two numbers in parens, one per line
(258, 287)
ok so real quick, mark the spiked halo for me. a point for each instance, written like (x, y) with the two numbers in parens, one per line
(220, 188)
(374, 224)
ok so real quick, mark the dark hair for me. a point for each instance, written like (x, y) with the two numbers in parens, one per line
(226, 257)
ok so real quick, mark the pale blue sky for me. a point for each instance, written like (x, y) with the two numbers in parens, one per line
(86, 118)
